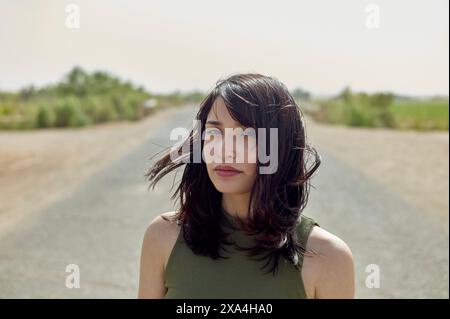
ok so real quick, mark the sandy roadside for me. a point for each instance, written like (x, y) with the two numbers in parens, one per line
(39, 167)
(413, 164)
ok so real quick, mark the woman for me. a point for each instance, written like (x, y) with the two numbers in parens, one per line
(239, 231)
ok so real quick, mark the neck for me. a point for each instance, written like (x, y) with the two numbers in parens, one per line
(236, 204)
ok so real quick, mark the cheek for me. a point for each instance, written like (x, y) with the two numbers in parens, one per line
(249, 177)
(212, 151)
(251, 170)
(209, 168)
(252, 150)
(247, 152)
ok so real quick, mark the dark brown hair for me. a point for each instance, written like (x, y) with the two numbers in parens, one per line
(277, 199)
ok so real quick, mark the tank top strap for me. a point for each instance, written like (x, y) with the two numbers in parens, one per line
(304, 229)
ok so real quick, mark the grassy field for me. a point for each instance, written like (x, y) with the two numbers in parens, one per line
(421, 115)
(380, 110)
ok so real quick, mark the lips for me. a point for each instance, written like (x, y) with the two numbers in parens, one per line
(226, 170)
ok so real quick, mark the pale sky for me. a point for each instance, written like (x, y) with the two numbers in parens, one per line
(318, 45)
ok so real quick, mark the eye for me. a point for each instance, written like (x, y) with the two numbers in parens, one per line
(212, 130)
(249, 132)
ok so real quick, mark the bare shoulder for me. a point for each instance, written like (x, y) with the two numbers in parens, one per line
(162, 223)
(162, 232)
(330, 271)
(328, 244)
(159, 238)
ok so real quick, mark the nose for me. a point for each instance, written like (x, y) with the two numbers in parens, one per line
(229, 148)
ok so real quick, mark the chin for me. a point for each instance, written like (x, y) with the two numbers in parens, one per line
(228, 188)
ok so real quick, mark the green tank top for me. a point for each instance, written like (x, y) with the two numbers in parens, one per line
(190, 276)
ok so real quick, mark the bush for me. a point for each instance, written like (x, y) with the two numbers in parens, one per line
(125, 107)
(103, 112)
(80, 98)
(69, 113)
(359, 117)
(45, 117)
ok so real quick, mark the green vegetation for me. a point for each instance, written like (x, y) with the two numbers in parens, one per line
(81, 99)
(383, 110)
(421, 115)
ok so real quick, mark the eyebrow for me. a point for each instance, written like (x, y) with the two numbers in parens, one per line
(212, 122)
(218, 123)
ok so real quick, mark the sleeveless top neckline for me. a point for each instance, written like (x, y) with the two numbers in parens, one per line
(195, 276)
(229, 220)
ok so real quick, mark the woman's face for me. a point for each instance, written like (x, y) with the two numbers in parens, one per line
(226, 143)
